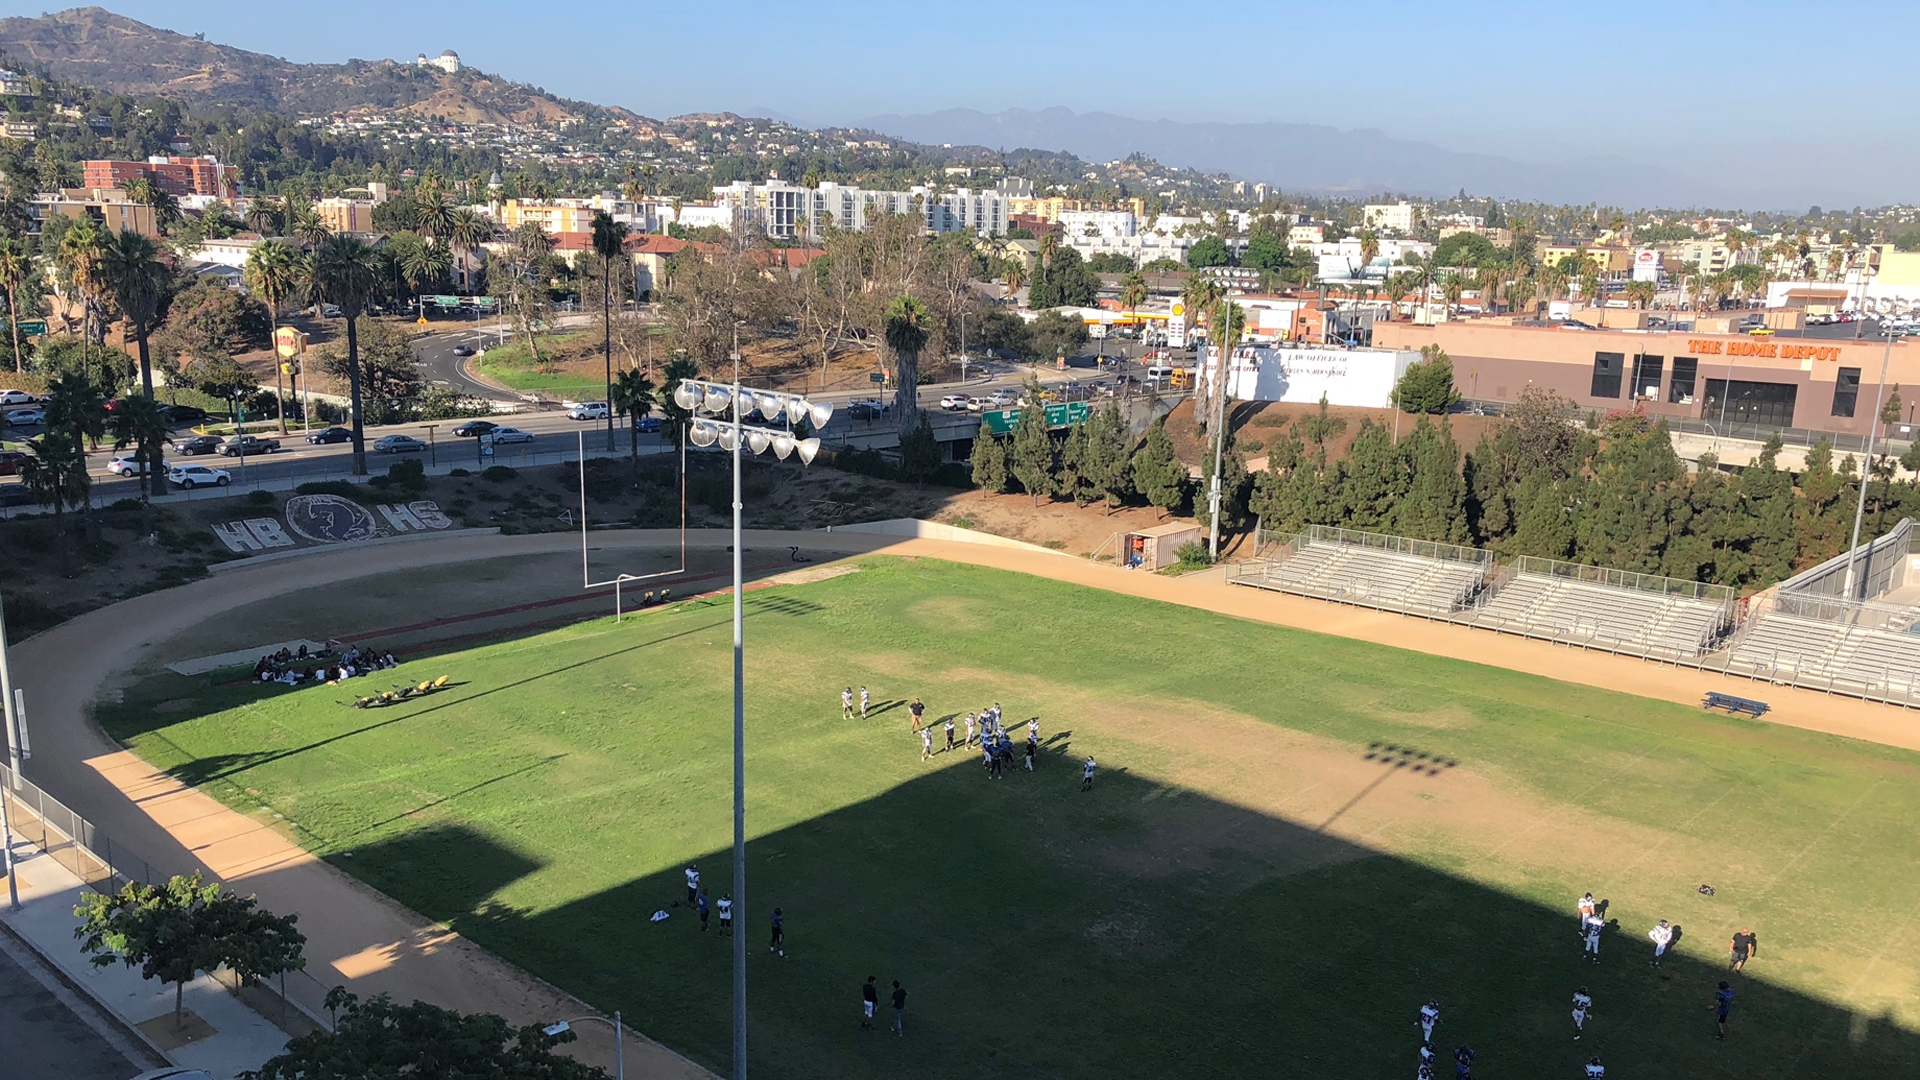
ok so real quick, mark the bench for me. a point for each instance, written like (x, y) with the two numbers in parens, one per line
(1734, 704)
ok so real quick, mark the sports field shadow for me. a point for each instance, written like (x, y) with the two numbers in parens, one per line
(1043, 931)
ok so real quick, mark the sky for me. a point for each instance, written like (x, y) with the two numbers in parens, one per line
(1758, 89)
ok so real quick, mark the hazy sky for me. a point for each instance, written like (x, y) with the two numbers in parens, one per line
(1763, 87)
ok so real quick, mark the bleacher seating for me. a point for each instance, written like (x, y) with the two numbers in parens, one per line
(1603, 616)
(1374, 578)
(1828, 655)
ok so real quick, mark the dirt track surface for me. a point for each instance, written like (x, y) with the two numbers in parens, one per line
(359, 937)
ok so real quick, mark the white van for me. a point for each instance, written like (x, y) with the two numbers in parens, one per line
(1159, 373)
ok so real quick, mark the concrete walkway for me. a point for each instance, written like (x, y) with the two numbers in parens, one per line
(366, 941)
(222, 1037)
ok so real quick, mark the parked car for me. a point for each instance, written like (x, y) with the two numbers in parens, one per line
(511, 435)
(26, 417)
(588, 410)
(646, 423)
(16, 397)
(954, 402)
(463, 350)
(248, 444)
(129, 464)
(184, 415)
(199, 444)
(192, 476)
(399, 444)
(473, 429)
(10, 462)
(327, 435)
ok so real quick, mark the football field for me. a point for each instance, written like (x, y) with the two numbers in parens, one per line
(1294, 840)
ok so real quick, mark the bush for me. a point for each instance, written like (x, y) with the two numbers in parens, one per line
(260, 498)
(342, 488)
(1193, 553)
(459, 472)
(381, 482)
(409, 473)
(865, 463)
(499, 474)
(131, 504)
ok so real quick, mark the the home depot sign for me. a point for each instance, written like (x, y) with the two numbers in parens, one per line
(1776, 349)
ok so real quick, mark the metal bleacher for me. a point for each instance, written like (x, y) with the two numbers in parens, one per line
(1661, 622)
(1371, 570)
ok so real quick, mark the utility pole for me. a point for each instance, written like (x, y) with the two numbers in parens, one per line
(1219, 432)
(1866, 470)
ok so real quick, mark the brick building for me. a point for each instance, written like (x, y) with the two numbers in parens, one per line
(178, 176)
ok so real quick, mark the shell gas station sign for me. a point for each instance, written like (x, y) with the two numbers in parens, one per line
(1177, 326)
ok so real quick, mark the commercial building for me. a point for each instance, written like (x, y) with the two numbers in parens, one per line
(556, 218)
(109, 209)
(178, 176)
(345, 215)
(1739, 383)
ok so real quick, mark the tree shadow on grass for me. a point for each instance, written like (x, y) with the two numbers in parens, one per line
(1135, 930)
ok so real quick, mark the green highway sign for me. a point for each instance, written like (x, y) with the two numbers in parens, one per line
(447, 301)
(32, 327)
(1003, 421)
(876, 377)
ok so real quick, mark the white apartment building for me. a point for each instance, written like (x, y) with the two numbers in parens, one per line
(1113, 224)
(1341, 260)
(787, 211)
(1394, 217)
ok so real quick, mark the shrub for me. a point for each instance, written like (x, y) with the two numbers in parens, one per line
(382, 482)
(260, 498)
(459, 472)
(1193, 553)
(130, 504)
(409, 473)
(499, 474)
(342, 488)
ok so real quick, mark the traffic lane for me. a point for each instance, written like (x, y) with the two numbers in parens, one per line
(440, 365)
(45, 1038)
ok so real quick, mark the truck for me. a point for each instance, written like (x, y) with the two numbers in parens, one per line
(241, 445)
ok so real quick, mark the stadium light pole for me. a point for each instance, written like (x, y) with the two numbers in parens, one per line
(1219, 436)
(1866, 469)
(695, 395)
(14, 723)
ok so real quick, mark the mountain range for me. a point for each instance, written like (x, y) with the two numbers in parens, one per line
(111, 52)
(1331, 161)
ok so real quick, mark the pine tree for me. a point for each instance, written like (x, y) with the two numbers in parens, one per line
(1628, 517)
(1157, 473)
(1107, 455)
(1545, 525)
(1376, 478)
(1427, 384)
(1434, 505)
(1075, 480)
(1234, 484)
(1034, 461)
(1770, 508)
(989, 463)
(920, 452)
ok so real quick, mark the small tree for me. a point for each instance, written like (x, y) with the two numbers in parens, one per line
(422, 1041)
(990, 463)
(1157, 472)
(174, 931)
(1108, 455)
(1427, 384)
(920, 452)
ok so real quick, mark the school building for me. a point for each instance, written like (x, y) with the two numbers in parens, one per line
(1747, 382)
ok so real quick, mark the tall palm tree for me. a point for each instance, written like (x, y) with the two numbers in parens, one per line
(346, 271)
(77, 407)
(908, 324)
(1198, 296)
(609, 243)
(425, 263)
(465, 233)
(79, 255)
(141, 285)
(141, 422)
(166, 208)
(647, 173)
(1133, 292)
(56, 476)
(273, 273)
(632, 396)
(264, 215)
(305, 224)
(1369, 247)
(433, 211)
(1013, 274)
(16, 269)
(1520, 293)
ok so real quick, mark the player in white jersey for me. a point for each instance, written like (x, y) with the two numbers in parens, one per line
(863, 703)
(725, 907)
(1662, 936)
(693, 884)
(1582, 1005)
(1584, 909)
(846, 703)
(1086, 774)
(1426, 1055)
(1429, 1016)
(1595, 1070)
(1592, 935)
(926, 744)
(969, 741)
(1033, 728)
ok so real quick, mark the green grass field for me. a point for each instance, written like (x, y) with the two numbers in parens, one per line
(512, 365)
(1295, 840)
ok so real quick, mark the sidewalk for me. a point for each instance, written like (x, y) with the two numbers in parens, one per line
(222, 1038)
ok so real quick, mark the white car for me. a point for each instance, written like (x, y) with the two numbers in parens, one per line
(192, 476)
(131, 465)
(588, 410)
(26, 417)
(954, 402)
(1001, 399)
(511, 434)
(16, 397)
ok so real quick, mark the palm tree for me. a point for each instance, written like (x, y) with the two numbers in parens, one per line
(609, 243)
(273, 273)
(1520, 293)
(1198, 296)
(56, 476)
(16, 268)
(425, 262)
(1013, 274)
(632, 395)
(166, 208)
(1133, 293)
(264, 215)
(141, 422)
(1487, 280)
(1452, 284)
(467, 231)
(909, 324)
(1369, 247)
(647, 173)
(77, 407)
(78, 255)
(1640, 291)
(433, 211)
(141, 284)
(346, 271)
(305, 224)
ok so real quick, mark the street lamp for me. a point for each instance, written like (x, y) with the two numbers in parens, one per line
(718, 400)
(619, 1043)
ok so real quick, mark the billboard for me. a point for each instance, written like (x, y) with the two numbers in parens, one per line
(1362, 378)
(1646, 266)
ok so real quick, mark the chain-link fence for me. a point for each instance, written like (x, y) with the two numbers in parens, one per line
(296, 1001)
